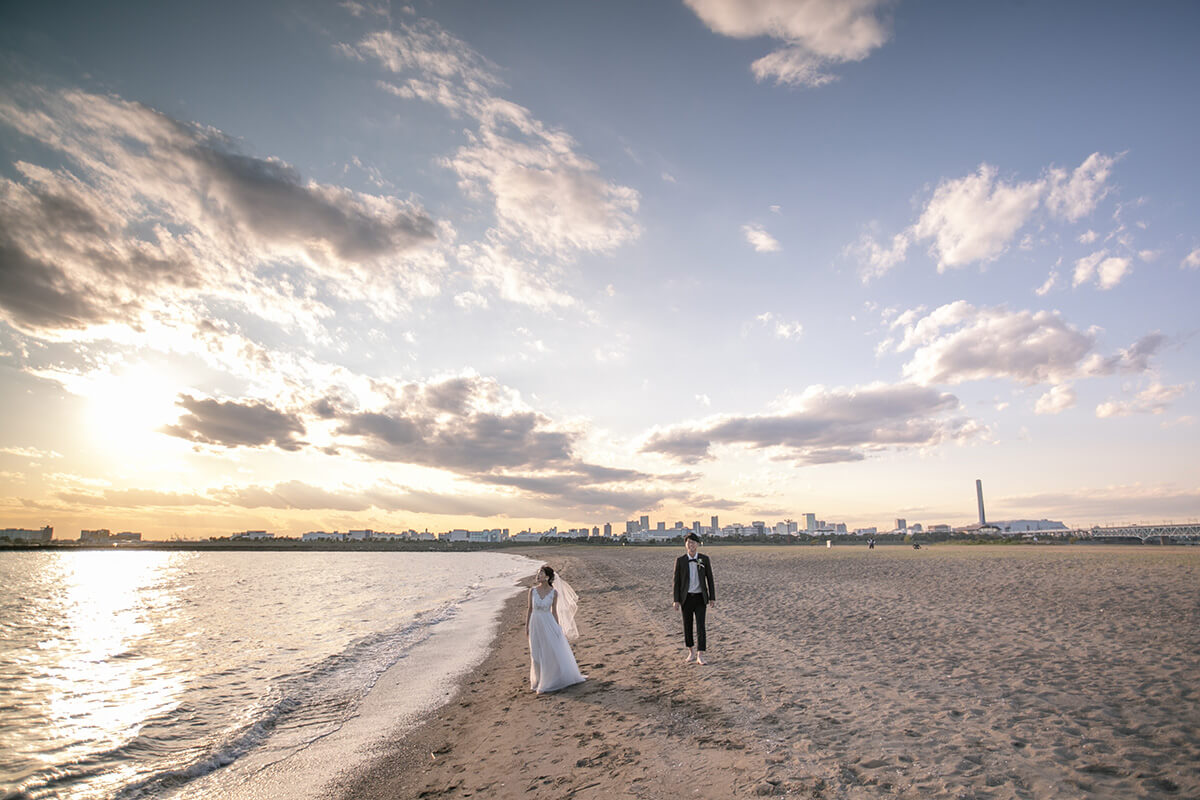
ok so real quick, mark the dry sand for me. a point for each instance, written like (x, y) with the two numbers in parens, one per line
(965, 672)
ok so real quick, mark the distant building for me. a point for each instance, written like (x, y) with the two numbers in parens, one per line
(716, 525)
(810, 522)
(840, 527)
(42, 536)
(662, 526)
(1027, 525)
(98, 535)
(644, 522)
(916, 527)
(607, 530)
(866, 531)
(901, 524)
(127, 536)
(696, 527)
(940, 528)
(253, 535)
(323, 536)
(631, 526)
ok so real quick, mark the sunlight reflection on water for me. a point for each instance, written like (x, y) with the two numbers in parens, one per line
(94, 684)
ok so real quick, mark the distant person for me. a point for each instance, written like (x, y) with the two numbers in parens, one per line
(871, 543)
(549, 623)
(916, 545)
(694, 590)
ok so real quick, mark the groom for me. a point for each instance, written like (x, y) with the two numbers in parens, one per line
(694, 590)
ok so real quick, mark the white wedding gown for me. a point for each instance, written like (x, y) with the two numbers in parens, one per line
(551, 662)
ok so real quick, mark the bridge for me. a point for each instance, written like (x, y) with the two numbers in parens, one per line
(1188, 532)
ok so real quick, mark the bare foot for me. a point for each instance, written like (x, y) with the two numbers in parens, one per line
(700, 660)
(691, 657)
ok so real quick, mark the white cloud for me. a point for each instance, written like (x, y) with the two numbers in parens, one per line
(974, 218)
(1076, 196)
(958, 342)
(1108, 271)
(758, 238)
(1045, 288)
(29, 452)
(1088, 236)
(1192, 260)
(1058, 399)
(470, 300)
(781, 329)
(1154, 399)
(1149, 255)
(876, 260)
(814, 33)
(549, 200)
(516, 279)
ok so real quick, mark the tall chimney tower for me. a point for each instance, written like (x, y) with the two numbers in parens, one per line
(979, 494)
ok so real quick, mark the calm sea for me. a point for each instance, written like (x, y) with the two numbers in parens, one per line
(127, 674)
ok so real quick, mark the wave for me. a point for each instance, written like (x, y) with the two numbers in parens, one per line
(308, 703)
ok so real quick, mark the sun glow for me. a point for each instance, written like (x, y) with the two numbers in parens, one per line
(127, 408)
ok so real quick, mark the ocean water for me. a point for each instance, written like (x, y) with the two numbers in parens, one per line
(132, 674)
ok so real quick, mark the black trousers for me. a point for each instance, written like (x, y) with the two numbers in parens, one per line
(694, 608)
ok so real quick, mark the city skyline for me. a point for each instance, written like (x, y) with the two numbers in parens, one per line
(304, 266)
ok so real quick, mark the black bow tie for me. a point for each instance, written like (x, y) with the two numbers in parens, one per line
(693, 560)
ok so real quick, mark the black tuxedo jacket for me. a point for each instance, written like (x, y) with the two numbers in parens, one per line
(683, 578)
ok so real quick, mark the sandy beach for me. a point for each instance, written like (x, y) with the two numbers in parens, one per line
(953, 671)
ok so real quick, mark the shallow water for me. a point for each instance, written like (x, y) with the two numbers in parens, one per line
(128, 673)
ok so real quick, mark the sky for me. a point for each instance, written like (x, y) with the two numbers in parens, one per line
(305, 266)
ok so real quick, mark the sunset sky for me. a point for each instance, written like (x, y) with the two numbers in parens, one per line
(304, 265)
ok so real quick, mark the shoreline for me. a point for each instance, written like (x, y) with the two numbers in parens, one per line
(946, 672)
(410, 691)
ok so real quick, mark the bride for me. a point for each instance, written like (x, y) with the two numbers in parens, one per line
(549, 622)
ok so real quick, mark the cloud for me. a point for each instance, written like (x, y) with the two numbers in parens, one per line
(30, 452)
(136, 498)
(958, 342)
(780, 328)
(826, 425)
(1074, 196)
(1154, 399)
(814, 33)
(1058, 399)
(1133, 360)
(236, 424)
(292, 495)
(877, 260)
(1108, 271)
(1045, 288)
(1088, 236)
(976, 218)
(550, 203)
(758, 238)
(147, 210)
(1191, 260)
(466, 424)
(1105, 505)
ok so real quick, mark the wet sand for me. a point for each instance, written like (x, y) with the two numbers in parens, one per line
(953, 671)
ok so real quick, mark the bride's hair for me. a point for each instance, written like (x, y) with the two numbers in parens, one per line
(549, 571)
